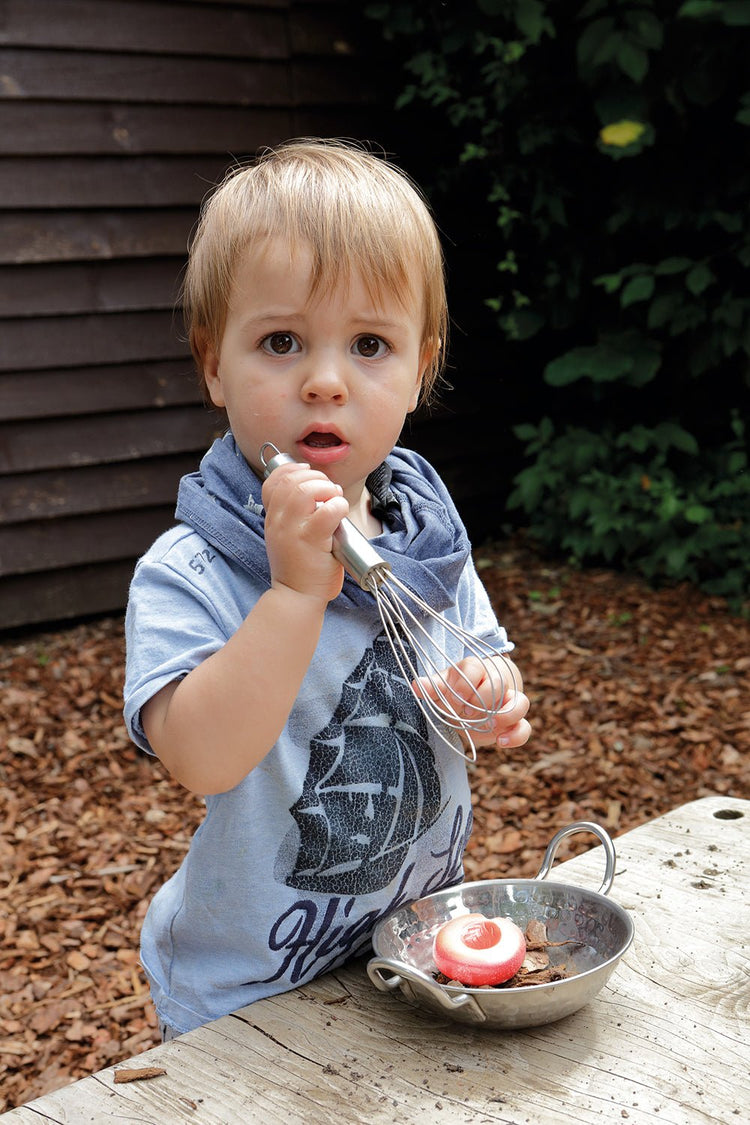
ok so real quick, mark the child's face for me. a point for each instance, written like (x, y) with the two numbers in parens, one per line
(329, 381)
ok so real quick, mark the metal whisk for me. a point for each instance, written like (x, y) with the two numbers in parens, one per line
(405, 617)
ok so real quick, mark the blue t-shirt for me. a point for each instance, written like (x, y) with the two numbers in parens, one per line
(357, 809)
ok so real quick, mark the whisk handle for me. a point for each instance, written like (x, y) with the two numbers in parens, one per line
(352, 549)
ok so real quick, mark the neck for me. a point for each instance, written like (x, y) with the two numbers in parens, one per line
(361, 516)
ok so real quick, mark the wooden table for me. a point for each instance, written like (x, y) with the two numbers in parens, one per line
(666, 1040)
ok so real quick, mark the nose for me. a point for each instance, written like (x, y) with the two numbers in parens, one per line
(325, 381)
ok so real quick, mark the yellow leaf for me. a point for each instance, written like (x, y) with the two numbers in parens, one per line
(621, 133)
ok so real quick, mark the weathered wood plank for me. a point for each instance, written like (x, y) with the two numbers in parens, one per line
(108, 181)
(96, 76)
(146, 78)
(95, 488)
(320, 82)
(88, 128)
(69, 541)
(82, 235)
(61, 595)
(68, 443)
(42, 546)
(104, 286)
(255, 30)
(120, 25)
(259, 3)
(326, 30)
(68, 392)
(98, 338)
(75, 128)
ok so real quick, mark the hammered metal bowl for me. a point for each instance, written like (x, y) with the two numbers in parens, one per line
(601, 930)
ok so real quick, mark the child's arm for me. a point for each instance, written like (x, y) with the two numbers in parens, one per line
(215, 725)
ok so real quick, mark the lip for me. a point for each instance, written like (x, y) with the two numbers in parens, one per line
(322, 454)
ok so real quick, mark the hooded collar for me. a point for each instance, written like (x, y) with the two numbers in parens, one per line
(423, 538)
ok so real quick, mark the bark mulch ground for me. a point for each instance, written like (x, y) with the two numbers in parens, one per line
(640, 702)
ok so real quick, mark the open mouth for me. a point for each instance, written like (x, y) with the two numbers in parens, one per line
(319, 440)
(323, 448)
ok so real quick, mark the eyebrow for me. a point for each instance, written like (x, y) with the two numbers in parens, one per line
(270, 319)
(368, 320)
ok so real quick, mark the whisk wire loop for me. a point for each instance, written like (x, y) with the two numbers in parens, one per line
(458, 704)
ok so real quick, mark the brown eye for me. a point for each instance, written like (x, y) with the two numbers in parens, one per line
(369, 346)
(280, 343)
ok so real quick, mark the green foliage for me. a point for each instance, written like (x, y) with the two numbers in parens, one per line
(605, 149)
(643, 498)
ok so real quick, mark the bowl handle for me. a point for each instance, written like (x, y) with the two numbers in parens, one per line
(582, 826)
(407, 977)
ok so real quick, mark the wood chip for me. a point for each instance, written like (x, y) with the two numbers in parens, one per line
(138, 1073)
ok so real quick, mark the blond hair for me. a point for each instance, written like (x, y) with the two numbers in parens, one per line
(358, 214)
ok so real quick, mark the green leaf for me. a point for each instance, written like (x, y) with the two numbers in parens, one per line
(592, 8)
(528, 323)
(632, 60)
(698, 9)
(531, 19)
(622, 133)
(698, 513)
(646, 363)
(637, 289)
(599, 363)
(669, 266)
(676, 558)
(662, 309)
(736, 13)
(525, 431)
(647, 28)
(733, 223)
(623, 139)
(610, 282)
(598, 43)
(670, 434)
(699, 278)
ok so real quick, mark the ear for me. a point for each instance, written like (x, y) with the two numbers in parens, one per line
(425, 359)
(414, 400)
(212, 376)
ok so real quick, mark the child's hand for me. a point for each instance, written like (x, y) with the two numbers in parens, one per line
(303, 509)
(475, 686)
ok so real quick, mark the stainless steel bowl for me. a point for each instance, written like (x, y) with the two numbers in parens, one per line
(602, 930)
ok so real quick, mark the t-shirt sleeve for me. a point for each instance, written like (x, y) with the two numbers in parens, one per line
(478, 616)
(171, 626)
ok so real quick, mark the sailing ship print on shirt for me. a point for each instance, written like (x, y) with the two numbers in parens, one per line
(372, 787)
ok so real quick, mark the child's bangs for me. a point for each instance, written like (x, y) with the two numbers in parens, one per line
(346, 237)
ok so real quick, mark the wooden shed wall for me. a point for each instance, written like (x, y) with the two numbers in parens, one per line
(115, 117)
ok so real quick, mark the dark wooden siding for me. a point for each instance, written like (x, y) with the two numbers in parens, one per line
(115, 117)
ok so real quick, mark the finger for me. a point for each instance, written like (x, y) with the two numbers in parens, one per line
(514, 708)
(517, 735)
(326, 517)
(295, 495)
(468, 681)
